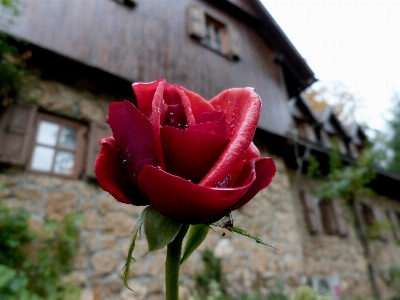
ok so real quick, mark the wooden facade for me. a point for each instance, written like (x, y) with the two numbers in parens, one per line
(150, 40)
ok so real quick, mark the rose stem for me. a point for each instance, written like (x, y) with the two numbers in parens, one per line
(172, 264)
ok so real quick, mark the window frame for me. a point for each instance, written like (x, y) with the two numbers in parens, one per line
(212, 25)
(79, 151)
(197, 18)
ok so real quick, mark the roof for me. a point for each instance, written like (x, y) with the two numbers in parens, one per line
(294, 65)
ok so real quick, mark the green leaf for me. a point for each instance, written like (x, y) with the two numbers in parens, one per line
(245, 233)
(159, 230)
(6, 275)
(197, 234)
(136, 229)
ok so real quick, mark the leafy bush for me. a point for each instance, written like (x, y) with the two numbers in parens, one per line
(32, 264)
(307, 293)
(210, 281)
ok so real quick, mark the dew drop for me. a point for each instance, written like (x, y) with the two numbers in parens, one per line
(213, 131)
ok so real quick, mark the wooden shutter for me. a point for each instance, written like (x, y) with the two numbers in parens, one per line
(16, 133)
(328, 217)
(312, 213)
(358, 206)
(96, 133)
(395, 223)
(235, 43)
(326, 139)
(380, 217)
(196, 22)
(341, 223)
(310, 132)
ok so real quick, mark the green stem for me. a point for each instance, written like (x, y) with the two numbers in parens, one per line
(172, 264)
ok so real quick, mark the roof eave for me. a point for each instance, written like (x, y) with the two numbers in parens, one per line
(270, 31)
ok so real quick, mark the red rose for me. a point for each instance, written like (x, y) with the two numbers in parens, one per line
(192, 160)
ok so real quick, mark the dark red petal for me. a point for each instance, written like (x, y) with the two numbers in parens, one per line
(191, 154)
(258, 171)
(156, 116)
(144, 93)
(214, 122)
(242, 106)
(171, 94)
(252, 152)
(188, 107)
(133, 134)
(183, 201)
(175, 116)
(111, 175)
(214, 116)
(198, 105)
(264, 171)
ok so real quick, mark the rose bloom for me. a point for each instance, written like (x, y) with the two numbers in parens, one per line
(192, 160)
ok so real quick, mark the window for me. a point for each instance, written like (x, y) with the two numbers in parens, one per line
(374, 222)
(355, 150)
(326, 139)
(58, 146)
(212, 33)
(215, 37)
(342, 146)
(323, 216)
(48, 144)
(305, 130)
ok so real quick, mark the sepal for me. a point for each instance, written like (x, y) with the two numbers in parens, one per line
(197, 234)
(159, 230)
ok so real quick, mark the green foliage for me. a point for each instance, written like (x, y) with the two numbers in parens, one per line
(307, 293)
(135, 232)
(394, 141)
(347, 181)
(394, 273)
(10, 73)
(31, 268)
(210, 279)
(11, 4)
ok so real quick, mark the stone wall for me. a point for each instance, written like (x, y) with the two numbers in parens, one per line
(329, 256)
(63, 100)
(275, 215)
(105, 238)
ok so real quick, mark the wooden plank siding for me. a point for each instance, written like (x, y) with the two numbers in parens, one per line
(150, 41)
